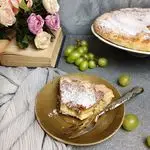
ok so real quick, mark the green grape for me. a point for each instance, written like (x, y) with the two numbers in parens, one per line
(130, 122)
(80, 50)
(92, 64)
(102, 62)
(69, 60)
(148, 141)
(85, 48)
(85, 56)
(90, 56)
(74, 55)
(79, 60)
(69, 50)
(124, 80)
(83, 65)
(84, 43)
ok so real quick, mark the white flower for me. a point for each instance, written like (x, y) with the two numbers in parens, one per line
(7, 16)
(42, 40)
(51, 6)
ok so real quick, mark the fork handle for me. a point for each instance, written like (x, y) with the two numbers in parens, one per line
(129, 95)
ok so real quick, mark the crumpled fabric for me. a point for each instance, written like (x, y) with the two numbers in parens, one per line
(19, 129)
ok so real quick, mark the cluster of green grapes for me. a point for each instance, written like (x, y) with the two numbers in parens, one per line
(81, 57)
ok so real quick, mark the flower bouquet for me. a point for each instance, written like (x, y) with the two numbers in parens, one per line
(29, 21)
(30, 33)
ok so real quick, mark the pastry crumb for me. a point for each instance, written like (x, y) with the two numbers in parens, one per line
(53, 113)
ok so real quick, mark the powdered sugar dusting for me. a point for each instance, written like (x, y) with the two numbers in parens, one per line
(78, 94)
(127, 21)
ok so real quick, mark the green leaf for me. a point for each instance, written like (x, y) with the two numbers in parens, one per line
(24, 43)
(38, 8)
(2, 34)
(24, 6)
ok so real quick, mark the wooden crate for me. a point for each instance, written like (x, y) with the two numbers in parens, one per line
(30, 57)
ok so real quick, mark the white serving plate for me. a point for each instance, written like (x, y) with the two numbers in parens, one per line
(132, 51)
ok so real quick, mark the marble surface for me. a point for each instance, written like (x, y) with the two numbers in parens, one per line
(119, 62)
(77, 15)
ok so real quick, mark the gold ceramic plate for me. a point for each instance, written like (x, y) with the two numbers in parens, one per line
(46, 102)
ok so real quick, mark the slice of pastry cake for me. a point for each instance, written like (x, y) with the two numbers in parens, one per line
(127, 27)
(81, 99)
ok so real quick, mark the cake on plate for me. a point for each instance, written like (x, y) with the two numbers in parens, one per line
(128, 27)
(81, 99)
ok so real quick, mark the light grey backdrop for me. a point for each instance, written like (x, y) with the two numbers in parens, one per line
(77, 15)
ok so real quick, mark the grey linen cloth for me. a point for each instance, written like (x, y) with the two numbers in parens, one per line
(18, 128)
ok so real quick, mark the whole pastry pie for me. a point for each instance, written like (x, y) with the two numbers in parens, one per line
(81, 99)
(128, 27)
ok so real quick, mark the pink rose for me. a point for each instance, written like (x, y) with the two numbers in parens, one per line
(7, 16)
(15, 5)
(35, 23)
(53, 21)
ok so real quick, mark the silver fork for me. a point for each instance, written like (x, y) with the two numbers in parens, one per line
(90, 123)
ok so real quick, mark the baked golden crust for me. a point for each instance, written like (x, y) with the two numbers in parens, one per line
(129, 27)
